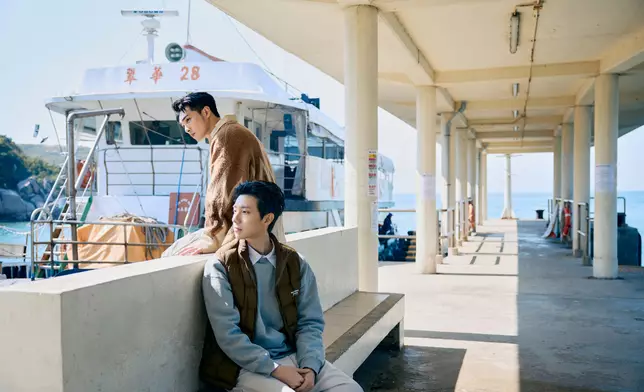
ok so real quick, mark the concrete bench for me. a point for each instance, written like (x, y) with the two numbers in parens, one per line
(358, 324)
(139, 327)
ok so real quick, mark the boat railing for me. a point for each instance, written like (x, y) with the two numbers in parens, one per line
(59, 255)
(151, 155)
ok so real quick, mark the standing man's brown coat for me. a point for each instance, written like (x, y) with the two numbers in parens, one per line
(236, 155)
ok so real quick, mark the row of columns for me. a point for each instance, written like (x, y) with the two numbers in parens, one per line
(460, 157)
(572, 174)
(361, 110)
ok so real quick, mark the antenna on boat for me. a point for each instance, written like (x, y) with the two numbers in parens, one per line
(150, 25)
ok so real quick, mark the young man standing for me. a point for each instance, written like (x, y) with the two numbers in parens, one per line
(236, 155)
(262, 302)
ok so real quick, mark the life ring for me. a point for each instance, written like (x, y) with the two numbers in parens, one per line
(567, 218)
(88, 174)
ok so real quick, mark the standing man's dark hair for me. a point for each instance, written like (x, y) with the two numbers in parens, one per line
(195, 102)
(197, 113)
(270, 198)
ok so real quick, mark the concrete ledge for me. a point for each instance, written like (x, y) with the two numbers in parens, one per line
(136, 327)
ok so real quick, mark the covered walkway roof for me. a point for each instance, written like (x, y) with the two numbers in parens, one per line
(464, 48)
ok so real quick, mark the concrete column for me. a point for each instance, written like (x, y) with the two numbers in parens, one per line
(479, 178)
(461, 182)
(556, 186)
(483, 186)
(581, 178)
(426, 217)
(471, 175)
(508, 213)
(606, 133)
(361, 111)
(446, 189)
(567, 160)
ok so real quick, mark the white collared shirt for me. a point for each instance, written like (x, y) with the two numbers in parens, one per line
(222, 121)
(255, 256)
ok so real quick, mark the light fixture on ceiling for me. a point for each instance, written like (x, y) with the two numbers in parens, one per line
(515, 89)
(514, 31)
(516, 128)
(515, 113)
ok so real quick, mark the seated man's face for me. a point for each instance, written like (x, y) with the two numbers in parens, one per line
(247, 222)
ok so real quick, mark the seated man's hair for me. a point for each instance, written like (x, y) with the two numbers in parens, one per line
(270, 198)
(195, 102)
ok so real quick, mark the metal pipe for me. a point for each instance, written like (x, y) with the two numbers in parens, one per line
(60, 174)
(104, 223)
(99, 134)
(71, 161)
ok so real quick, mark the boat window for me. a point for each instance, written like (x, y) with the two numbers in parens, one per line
(158, 133)
(315, 146)
(257, 129)
(291, 149)
(113, 132)
(332, 150)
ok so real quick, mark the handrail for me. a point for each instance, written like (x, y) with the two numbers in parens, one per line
(74, 242)
(442, 234)
(583, 237)
(60, 175)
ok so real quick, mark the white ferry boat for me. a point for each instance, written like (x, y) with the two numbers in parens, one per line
(144, 177)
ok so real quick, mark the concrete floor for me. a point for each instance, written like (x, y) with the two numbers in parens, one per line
(512, 313)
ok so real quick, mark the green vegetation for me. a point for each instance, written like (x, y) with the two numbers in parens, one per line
(15, 166)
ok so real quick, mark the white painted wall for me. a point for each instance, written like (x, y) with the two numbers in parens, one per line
(137, 327)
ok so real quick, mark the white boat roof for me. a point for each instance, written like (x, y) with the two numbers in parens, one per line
(223, 80)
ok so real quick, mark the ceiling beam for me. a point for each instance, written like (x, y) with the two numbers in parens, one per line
(490, 136)
(396, 5)
(509, 121)
(424, 73)
(585, 97)
(518, 150)
(517, 103)
(395, 77)
(519, 143)
(421, 73)
(582, 68)
(627, 53)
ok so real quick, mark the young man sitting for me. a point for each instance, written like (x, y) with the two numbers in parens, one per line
(262, 301)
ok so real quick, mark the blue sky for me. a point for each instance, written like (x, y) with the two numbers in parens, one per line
(47, 46)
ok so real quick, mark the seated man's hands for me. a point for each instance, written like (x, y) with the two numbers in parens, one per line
(309, 380)
(289, 375)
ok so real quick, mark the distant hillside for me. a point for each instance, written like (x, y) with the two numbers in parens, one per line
(50, 154)
(17, 166)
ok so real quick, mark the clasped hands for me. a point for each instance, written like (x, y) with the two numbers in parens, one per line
(301, 380)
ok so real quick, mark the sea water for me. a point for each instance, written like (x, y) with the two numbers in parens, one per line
(524, 205)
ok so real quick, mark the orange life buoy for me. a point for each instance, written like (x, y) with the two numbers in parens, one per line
(567, 217)
(88, 173)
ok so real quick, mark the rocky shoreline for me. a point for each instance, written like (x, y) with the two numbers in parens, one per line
(17, 205)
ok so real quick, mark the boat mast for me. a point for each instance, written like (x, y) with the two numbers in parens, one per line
(151, 26)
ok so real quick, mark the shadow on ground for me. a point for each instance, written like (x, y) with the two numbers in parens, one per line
(414, 369)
